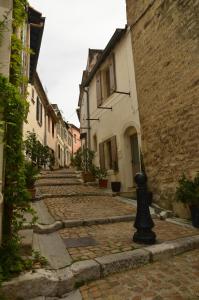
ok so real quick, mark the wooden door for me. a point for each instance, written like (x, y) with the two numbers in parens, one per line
(135, 154)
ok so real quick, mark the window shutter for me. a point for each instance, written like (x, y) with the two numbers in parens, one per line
(112, 73)
(114, 153)
(101, 155)
(41, 113)
(99, 89)
(37, 109)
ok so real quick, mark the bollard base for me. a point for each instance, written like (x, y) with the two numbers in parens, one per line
(144, 237)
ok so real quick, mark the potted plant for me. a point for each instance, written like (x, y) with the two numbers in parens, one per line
(31, 173)
(188, 193)
(87, 165)
(101, 175)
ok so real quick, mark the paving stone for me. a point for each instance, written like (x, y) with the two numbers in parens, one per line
(117, 237)
(53, 249)
(172, 279)
(80, 242)
(85, 271)
(87, 207)
(72, 223)
(122, 261)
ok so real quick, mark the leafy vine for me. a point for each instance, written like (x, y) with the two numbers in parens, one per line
(14, 108)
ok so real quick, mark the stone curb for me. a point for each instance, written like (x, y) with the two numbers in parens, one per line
(57, 283)
(58, 183)
(48, 176)
(43, 229)
(44, 196)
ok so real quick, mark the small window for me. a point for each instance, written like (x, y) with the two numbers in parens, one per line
(39, 112)
(75, 138)
(48, 123)
(95, 143)
(106, 80)
(53, 129)
(33, 96)
(108, 154)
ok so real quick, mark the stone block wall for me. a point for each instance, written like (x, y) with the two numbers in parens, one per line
(165, 40)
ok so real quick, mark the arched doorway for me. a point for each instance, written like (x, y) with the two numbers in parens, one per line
(132, 154)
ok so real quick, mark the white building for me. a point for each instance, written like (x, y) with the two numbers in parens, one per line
(109, 115)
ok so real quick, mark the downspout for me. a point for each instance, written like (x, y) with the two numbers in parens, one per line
(86, 90)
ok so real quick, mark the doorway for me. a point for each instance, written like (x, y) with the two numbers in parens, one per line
(135, 155)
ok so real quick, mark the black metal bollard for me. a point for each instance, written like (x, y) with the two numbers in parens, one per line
(143, 221)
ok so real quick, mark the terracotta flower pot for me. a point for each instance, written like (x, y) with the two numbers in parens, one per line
(103, 183)
(88, 177)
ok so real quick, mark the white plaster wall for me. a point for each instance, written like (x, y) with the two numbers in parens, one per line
(32, 124)
(124, 113)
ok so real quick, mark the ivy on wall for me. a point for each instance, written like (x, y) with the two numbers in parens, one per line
(14, 108)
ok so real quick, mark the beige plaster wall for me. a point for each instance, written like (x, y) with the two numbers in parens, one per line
(124, 116)
(32, 124)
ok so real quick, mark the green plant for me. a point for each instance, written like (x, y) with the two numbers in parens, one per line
(76, 160)
(14, 108)
(39, 155)
(87, 160)
(188, 190)
(31, 173)
(100, 173)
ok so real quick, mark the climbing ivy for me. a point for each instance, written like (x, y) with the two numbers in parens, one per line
(14, 108)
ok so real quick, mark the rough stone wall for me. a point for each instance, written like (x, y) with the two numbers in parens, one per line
(165, 38)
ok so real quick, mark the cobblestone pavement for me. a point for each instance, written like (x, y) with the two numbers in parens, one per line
(85, 207)
(117, 237)
(176, 279)
(52, 180)
(57, 190)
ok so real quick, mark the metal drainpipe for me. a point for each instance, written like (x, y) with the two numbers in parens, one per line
(86, 90)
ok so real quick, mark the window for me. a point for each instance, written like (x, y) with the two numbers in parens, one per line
(58, 128)
(53, 128)
(39, 112)
(48, 123)
(108, 154)
(33, 96)
(95, 143)
(106, 80)
(69, 141)
(59, 152)
(75, 138)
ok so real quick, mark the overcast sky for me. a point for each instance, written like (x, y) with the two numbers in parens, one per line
(71, 27)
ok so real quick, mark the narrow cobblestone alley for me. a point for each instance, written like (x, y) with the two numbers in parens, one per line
(100, 236)
(85, 233)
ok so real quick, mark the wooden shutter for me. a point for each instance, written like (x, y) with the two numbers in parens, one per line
(37, 109)
(99, 89)
(41, 113)
(114, 153)
(112, 73)
(101, 155)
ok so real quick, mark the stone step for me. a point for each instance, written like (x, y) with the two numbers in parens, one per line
(57, 176)
(57, 183)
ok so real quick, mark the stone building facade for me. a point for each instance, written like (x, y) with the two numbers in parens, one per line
(165, 41)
